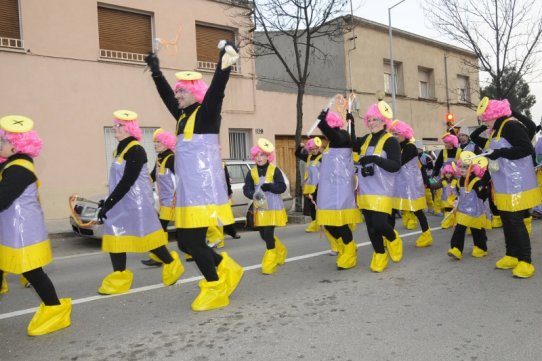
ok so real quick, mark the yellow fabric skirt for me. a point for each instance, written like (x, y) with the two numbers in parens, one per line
(121, 244)
(19, 260)
(474, 222)
(203, 216)
(375, 203)
(519, 201)
(309, 189)
(270, 218)
(167, 213)
(328, 217)
(412, 205)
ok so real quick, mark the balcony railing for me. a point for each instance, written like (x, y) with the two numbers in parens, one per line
(122, 55)
(11, 43)
(209, 65)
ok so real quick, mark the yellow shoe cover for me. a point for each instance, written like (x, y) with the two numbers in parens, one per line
(116, 282)
(188, 257)
(230, 271)
(4, 289)
(447, 222)
(312, 227)
(507, 262)
(269, 261)
(409, 220)
(496, 222)
(349, 257)
(425, 239)
(528, 224)
(173, 271)
(155, 258)
(455, 253)
(523, 270)
(333, 243)
(478, 252)
(48, 319)
(282, 251)
(395, 247)
(379, 262)
(221, 244)
(212, 295)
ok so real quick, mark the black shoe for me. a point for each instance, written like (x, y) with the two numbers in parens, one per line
(150, 262)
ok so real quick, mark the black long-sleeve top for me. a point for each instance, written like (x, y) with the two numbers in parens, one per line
(440, 159)
(211, 106)
(392, 162)
(408, 151)
(15, 180)
(278, 186)
(515, 133)
(170, 163)
(228, 182)
(300, 154)
(338, 138)
(135, 159)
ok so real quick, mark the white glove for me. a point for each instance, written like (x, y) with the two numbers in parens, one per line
(230, 56)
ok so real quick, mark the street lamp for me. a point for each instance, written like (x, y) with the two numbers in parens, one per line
(393, 84)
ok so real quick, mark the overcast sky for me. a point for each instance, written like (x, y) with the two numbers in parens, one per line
(409, 16)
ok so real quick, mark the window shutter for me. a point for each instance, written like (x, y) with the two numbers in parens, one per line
(124, 31)
(207, 38)
(9, 19)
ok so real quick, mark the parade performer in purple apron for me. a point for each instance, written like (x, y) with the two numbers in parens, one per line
(448, 180)
(471, 209)
(449, 154)
(163, 176)
(24, 244)
(379, 162)
(130, 222)
(336, 204)
(537, 211)
(409, 193)
(201, 199)
(264, 184)
(514, 180)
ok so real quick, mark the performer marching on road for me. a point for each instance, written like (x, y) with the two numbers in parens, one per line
(130, 223)
(24, 244)
(449, 154)
(202, 198)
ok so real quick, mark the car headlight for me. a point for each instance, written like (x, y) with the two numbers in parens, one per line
(89, 212)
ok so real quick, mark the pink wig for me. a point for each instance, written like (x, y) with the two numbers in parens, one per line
(334, 120)
(255, 150)
(167, 139)
(131, 126)
(475, 169)
(448, 169)
(496, 109)
(402, 128)
(310, 144)
(373, 112)
(2, 160)
(451, 139)
(28, 143)
(197, 87)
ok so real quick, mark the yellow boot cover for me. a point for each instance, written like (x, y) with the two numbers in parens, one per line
(507, 262)
(425, 239)
(220, 244)
(455, 253)
(349, 257)
(395, 247)
(155, 258)
(48, 319)
(447, 222)
(230, 271)
(4, 289)
(312, 227)
(409, 220)
(212, 295)
(523, 270)
(340, 245)
(379, 262)
(528, 224)
(116, 282)
(405, 217)
(496, 222)
(173, 271)
(269, 261)
(333, 244)
(478, 252)
(282, 251)
(188, 257)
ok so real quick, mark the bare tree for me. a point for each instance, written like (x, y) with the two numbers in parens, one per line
(504, 34)
(288, 30)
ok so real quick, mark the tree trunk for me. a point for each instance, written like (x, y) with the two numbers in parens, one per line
(298, 129)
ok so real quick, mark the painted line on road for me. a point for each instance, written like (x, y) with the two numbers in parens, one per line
(186, 280)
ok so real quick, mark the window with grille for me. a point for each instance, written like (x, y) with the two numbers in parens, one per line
(426, 82)
(463, 89)
(124, 35)
(146, 142)
(239, 143)
(207, 38)
(10, 27)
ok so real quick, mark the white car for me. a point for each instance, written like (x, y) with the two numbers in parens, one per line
(237, 169)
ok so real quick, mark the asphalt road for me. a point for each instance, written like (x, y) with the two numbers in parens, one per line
(427, 307)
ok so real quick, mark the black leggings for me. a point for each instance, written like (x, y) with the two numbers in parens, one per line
(119, 259)
(42, 284)
(268, 235)
(343, 232)
(516, 237)
(421, 218)
(312, 206)
(478, 235)
(193, 242)
(378, 225)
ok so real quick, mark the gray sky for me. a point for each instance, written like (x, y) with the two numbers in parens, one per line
(409, 16)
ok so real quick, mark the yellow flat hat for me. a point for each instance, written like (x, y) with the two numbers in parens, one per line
(126, 115)
(466, 156)
(317, 141)
(16, 124)
(482, 106)
(188, 75)
(156, 132)
(385, 109)
(266, 145)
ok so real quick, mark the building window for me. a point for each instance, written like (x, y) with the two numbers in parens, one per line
(146, 142)
(239, 143)
(426, 83)
(463, 89)
(10, 27)
(207, 38)
(124, 35)
(398, 77)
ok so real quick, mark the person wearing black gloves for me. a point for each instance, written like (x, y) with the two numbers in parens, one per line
(229, 229)
(264, 184)
(202, 198)
(514, 180)
(380, 160)
(130, 222)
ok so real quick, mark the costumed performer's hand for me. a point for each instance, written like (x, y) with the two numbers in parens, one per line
(492, 154)
(323, 115)
(350, 117)
(266, 187)
(229, 54)
(152, 61)
(101, 215)
(369, 159)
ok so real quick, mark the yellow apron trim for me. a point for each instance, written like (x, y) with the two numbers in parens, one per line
(167, 213)
(374, 202)
(309, 189)
(518, 201)
(330, 217)
(120, 159)
(22, 163)
(474, 222)
(269, 174)
(308, 164)
(19, 260)
(203, 216)
(121, 244)
(379, 144)
(276, 218)
(539, 177)
(413, 205)
(189, 127)
(163, 164)
(498, 137)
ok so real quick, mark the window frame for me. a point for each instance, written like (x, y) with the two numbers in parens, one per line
(10, 43)
(247, 133)
(208, 64)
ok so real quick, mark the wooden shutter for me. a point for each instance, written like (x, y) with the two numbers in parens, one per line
(207, 38)
(9, 19)
(124, 31)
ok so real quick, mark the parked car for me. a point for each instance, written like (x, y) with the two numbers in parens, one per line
(237, 169)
